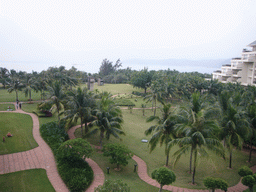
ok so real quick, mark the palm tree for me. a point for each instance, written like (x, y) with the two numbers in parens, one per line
(199, 130)
(252, 120)
(14, 83)
(235, 128)
(108, 119)
(4, 74)
(163, 132)
(81, 103)
(57, 96)
(30, 84)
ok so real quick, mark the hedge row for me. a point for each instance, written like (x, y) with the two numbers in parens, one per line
(77, 175)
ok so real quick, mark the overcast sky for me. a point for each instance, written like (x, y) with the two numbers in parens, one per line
(85, 32)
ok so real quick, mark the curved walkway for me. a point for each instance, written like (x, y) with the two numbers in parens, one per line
(39, 157)
(143, 174)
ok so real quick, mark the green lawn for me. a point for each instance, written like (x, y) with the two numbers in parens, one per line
(24, 181)
(117, 88)
(4, 107)
(134, 127)
(20, 125)
(11, 97)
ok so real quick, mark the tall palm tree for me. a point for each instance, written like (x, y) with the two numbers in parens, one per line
(235, 128)
(252, 119)
(57, 96)
(14, 83)
(163, 132)
(4, 74)
(199, 130)
(108, 119)
(80, 103)
(30, 84)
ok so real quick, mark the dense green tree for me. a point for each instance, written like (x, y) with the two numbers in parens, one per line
(141, 79)
(15, 84)
(215, 183)
(4, 74)
(163, 176)
(120, 154)
(249, 181)
(107, 67)
(30, 84)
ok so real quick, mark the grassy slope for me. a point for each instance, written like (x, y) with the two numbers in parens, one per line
(20, 125)
(23, 181)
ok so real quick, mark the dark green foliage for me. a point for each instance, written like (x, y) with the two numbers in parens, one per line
(123, 102)
(138, 93)
(44, 106)
(249, 181)
(113, 186)
(215, 183)
(74, 149)
(53, 135)
(77, 175)
(163, 176)
(119, 154)
(244, 171)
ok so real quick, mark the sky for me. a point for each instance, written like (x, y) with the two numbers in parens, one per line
(37, 34)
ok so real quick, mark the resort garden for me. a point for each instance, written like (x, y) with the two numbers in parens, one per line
(194, 128)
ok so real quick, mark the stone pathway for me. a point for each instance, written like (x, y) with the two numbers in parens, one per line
(42, 157)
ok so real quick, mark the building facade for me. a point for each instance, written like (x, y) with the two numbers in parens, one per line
(242, 69)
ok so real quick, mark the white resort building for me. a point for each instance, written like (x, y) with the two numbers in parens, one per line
(241, 70)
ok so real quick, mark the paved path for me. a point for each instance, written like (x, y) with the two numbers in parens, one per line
(39, 157)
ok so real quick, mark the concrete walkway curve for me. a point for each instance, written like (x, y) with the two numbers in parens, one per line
(143, 174)
(39, 157)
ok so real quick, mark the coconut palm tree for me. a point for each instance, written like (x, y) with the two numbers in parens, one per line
(29, 83)
(108, 119)
(57, 96)
(252, 119)
(4, 74)
(199, 130)
(80, 104)
(14, 83)
(163, 132)
(235, 128)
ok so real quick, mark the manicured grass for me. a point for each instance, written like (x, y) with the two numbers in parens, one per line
(135, 126)
(4, 107)
(20, 125)
(23, 181)
(5, 96)
(114, 89)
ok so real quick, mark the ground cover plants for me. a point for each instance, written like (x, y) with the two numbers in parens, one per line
(28, 180)
(20, 126)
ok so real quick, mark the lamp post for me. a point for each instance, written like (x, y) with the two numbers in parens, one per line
(135, 167)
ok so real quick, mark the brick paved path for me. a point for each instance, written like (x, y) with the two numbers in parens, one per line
(39, 157)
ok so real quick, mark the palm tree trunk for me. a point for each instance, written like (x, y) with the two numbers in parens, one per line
(81, 126)
(17, 98)
(190, 161)
(250, 155)
(155, 109)
(230, 159)
(29, 95)
(194, 171)
(101, 138)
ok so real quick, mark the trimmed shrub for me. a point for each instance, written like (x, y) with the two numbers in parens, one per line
(245, 170)
(114, 186)
(215, 183)
(248, 181)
